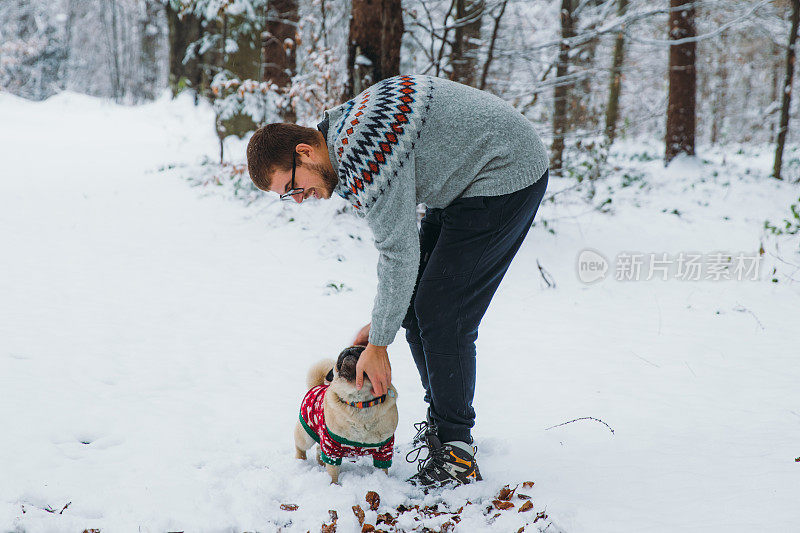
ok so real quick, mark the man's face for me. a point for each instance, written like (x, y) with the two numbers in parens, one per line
(313, 173)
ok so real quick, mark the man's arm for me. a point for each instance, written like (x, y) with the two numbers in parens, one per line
(393, 220)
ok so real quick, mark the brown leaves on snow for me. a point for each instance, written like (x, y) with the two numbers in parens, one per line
(387, 522)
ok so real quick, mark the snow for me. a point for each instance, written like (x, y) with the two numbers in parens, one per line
(155, 339)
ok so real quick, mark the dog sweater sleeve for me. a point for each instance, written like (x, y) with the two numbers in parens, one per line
(382, 457)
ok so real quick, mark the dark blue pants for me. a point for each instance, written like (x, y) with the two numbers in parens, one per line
(466, 249)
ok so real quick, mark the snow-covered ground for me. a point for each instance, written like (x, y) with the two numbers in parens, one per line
(154, 338)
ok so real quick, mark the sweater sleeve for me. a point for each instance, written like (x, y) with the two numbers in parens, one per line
(393, 220)
(382, 457)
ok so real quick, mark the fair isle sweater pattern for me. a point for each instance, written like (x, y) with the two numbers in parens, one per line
(377, 134)
(332, 446)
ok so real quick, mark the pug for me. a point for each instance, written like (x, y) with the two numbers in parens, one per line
(344, 421)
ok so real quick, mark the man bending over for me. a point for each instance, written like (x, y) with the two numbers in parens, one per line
(481, 170)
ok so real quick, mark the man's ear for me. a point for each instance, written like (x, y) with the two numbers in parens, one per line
(304, 149)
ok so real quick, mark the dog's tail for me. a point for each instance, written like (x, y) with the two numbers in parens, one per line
(318, 373)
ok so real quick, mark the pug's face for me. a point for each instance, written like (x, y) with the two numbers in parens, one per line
(346, 365)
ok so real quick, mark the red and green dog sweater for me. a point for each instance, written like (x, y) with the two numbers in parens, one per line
(332, 446)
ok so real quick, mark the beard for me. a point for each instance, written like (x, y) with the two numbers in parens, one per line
(329, 178)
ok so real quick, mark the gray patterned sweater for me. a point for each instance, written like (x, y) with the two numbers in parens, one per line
(419, 139)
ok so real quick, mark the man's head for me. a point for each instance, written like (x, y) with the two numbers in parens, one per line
(276, 148)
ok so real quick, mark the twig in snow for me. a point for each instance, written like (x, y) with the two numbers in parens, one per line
(49, 509)
(690, 368)
(742, 309)
(783, 260)
(546, 276)
(582, 418)
(796, 267)
(645, 360)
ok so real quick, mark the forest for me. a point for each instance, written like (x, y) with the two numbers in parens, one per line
(636, 369)
(693, 73)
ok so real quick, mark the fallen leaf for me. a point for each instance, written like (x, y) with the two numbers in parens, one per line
(289, 506)
(505, 493)
(528, 484)
(502, 505)
(359, 512)
(373, 500)
(386, 518)
(367, 527)
(527, 506)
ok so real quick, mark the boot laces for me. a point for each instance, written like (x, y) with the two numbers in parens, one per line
(422, 428)
(433, 458)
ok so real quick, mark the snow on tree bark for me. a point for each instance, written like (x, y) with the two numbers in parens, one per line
(376, 32)
(680, 134)
(466, 41)
(280, 50)
(615, 85)
(783, 128)
(561, 90)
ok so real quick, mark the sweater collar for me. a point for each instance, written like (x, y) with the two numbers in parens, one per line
(328, 127)
(330, 122)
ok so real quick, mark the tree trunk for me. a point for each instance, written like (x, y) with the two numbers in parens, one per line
(466, 41)
(682, 81)
(561, 89)
(116, 82)
(615, 86)
(69, 23)
(783, 129)
(373, 52)
(183, 31)
(148, 61)
(720, 98)
(492, 41)
(774, 88)
(280, 51)
(579, 110)
(222, 62)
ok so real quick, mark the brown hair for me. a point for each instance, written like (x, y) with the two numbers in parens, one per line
(271, 147)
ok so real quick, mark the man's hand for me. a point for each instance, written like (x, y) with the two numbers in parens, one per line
(374, 361)
(362, 337)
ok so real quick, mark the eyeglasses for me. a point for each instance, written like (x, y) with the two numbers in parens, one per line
(294, 190)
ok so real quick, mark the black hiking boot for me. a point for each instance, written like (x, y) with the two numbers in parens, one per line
(446, 464)
(424, 428)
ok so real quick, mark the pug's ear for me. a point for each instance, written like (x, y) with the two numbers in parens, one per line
(329, 377)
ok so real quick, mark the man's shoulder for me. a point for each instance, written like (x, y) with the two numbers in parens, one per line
(376, 134)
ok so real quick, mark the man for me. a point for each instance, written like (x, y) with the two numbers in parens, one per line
(481, 170)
